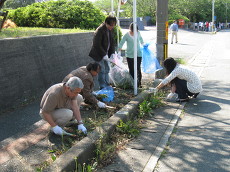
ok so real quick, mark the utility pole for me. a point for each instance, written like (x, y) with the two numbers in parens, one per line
(162, 34)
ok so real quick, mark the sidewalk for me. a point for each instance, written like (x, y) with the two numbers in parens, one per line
(202, 138)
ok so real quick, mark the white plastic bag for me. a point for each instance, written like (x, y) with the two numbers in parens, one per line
(119, 73)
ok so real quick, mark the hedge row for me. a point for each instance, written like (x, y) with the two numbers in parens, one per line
(58, 14)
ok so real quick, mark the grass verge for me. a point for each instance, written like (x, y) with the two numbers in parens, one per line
(20, 32)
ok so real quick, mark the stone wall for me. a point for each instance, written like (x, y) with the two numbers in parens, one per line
(30, 65)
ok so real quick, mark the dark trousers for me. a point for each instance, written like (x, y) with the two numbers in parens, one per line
(130, 62)
(181, 88)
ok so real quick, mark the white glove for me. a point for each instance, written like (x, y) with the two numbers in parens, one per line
(82, 128)
(94, 93)
(58, 130)
(101, 104)
(106, 57)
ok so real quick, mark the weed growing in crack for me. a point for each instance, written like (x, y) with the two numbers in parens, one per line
(144, 108)
(147, 106)
(105, 150)
(129, 128)
(84, 167)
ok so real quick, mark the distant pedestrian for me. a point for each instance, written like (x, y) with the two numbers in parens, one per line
(103, 47)
(222, 25)
(183, 81)
(196, 26)
(207, 26)
(174, 30)
(129, 53)
(60, 104)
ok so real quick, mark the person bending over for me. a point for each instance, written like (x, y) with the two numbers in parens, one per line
(87, 74)
(60, 104)
(183, 81)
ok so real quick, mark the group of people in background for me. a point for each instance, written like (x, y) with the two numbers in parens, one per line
(207, 26)
(60, 104)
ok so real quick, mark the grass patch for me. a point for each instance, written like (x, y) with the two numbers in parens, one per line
(180, 61)
(35, 31)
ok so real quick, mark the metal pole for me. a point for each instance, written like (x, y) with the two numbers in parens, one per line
(112, 8)
(118, 21)
(226, 15)
(213, 3)
(135, 46)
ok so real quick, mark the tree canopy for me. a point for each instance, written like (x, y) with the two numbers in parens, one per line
(17, 3)
(190, 10)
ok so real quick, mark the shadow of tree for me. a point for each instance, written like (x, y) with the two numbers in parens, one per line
(201, 142)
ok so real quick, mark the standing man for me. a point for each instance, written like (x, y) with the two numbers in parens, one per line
(61, 103)
(174, 29)
(86, 74)
(103, 47)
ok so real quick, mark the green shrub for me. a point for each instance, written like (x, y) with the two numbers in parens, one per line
(58, 14)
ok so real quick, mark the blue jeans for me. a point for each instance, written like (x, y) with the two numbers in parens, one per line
(103, 76)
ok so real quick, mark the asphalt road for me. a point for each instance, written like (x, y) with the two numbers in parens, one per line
(189, 42)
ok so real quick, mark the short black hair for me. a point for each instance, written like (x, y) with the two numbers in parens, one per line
(93, 66)
(111, 20)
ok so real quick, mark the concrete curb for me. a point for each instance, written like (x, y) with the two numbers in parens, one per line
(84, 150)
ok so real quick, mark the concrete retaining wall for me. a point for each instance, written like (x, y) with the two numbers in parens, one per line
(30, 65)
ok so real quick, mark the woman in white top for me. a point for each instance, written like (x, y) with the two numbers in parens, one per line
(184, 82)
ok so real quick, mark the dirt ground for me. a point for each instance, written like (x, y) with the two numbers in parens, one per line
(92, 117)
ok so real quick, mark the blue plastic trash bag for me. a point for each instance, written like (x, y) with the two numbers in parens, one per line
(108, 91)
(149, 62)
